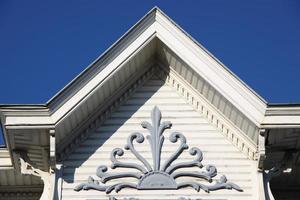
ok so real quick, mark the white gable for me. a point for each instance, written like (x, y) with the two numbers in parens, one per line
(217, 149)
(62, 111)
(64, 140)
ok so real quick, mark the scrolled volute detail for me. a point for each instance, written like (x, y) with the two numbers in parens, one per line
(157, 177)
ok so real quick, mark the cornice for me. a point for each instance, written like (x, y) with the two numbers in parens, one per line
(157, 24)
(23, 116)
(283, 110)
(215, 73)
(159, 16)
(102, 61)
(67, 150)
(200, 104)
(282, 116)
(153, 25)
(230, 131)
(5, 159)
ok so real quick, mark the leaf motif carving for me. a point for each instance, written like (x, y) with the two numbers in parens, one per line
(174, 137)
(156, 177)
(195, 163)
(139, 139)
(116, 163)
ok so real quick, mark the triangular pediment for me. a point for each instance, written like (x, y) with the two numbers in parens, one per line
(99, 144)
(154, 42)
(154, 66)
(156, 53)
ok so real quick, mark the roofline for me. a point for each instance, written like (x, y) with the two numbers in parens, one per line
(211, 55)
(99, 64)
(22, 106)
(291, 105)
(107, 52)
(86, 71)
(86, 74)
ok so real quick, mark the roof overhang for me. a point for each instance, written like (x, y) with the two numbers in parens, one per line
(144, 38)
(281, 126)
(154, 25)
(282, 116)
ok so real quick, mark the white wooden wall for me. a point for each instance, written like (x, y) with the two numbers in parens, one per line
(199, 132)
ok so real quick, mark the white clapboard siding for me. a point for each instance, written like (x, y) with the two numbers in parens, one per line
(217, 150)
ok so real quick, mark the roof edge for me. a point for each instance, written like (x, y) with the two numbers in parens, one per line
(103, 56)
(211, 55)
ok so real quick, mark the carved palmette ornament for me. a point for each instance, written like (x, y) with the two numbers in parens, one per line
(157, 176)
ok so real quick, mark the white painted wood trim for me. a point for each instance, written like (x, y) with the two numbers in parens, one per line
(230, 131)
(261, 155)
(141, 41)
(231, 88)
(260, 185)
(66, 150)
(28, 120)
(281, 121)
(52, 149)
(219, 77)
(5, 160)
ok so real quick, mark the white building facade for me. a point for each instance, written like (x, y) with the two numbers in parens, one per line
(155, 117)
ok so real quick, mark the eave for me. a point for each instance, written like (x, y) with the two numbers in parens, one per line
(282, 116)
(282, 139)
(157, 24)
(61, 112)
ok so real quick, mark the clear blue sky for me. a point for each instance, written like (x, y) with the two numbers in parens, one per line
(45, 44)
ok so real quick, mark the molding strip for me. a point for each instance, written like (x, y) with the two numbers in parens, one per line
(105, 114)
(212, 114)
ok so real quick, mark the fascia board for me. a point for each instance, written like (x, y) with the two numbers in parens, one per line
(38, 121)
(282, 116)
(17, 110)
(230, 87)
(283, 109)
(281, 121)
(183, 45)
(134, 31)
(121, 58)
(21, 117)
(5, 159)
(201, 49)
(15, 116)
